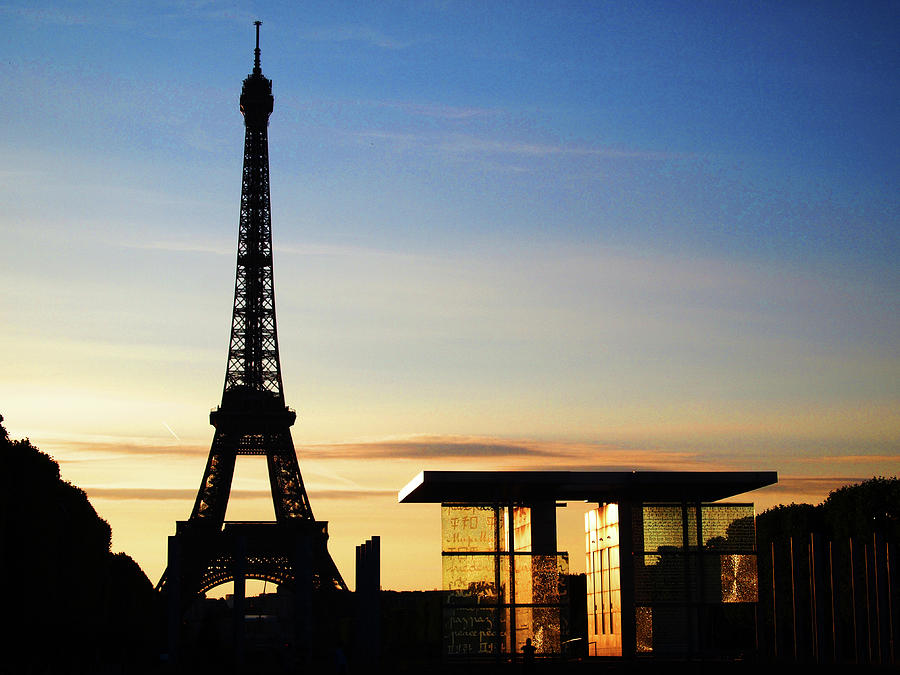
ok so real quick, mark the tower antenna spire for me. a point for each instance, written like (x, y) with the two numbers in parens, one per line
(256, 67)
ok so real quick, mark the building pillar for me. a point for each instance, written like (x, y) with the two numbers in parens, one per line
(543, 528)
(626, 577)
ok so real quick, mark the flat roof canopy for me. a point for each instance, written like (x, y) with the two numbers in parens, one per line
(593, 486)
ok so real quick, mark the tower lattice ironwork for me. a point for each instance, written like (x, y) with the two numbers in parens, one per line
(252, 418)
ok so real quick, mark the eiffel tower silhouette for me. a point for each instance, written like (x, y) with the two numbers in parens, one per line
(252, 419)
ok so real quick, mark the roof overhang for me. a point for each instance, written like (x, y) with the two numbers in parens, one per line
(593, 486)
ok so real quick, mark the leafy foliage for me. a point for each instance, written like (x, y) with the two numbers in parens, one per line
(855, 511)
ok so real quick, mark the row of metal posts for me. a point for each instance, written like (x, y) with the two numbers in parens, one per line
(836, 604)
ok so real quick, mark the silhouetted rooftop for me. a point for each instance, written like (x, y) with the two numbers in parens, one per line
(605, 486)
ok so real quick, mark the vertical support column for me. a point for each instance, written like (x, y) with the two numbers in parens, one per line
(691, 568)
(368, 603)
(626, 576)
(543, 528)
(376, 563)
(498, 583)
(511, 543)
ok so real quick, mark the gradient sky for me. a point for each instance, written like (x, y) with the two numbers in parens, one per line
(507, 235)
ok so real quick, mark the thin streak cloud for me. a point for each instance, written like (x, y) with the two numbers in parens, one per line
(473, 448)
(161, 494)
(358, 33)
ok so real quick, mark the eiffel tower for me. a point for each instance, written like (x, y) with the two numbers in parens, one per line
(252, 419)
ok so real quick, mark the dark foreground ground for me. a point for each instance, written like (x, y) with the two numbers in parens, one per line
(643, 667)
(593, 666)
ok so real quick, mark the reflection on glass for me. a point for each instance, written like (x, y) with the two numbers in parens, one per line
(729, 526)
(643, 618)
(662, 527)
(739, 579)
(603, 581)
(674, 588)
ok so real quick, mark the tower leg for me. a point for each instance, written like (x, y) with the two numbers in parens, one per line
(212, 499)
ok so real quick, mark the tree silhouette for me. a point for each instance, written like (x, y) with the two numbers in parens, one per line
(73, 603)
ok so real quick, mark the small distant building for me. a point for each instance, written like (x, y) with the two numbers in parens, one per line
(668, 571)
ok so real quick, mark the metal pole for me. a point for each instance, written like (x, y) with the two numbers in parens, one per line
(853, 605)
(890, 595)
(834, 647)
(774, 612)
(793, 598)
(813, 601)
(868, 604)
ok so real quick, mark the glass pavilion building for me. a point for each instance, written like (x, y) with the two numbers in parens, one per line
(669, 570)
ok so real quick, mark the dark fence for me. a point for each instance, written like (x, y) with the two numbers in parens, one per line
(826, 601)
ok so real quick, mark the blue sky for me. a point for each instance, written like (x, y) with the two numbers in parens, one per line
(656, 235)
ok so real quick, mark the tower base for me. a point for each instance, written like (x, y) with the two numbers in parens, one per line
(291, 555)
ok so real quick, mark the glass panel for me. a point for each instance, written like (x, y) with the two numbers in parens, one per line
(472, 630)
(541, 579)
(729, 526)
(471, 579)
(469, 528)
(542, 625)
(643, 619)
(662, 528)
(663, 578)
(524, 582)
(522, 525)
(669, 629)
(739, 578)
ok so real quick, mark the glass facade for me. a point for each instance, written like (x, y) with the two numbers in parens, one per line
(695, 579)
(604, 594)
(498, 592)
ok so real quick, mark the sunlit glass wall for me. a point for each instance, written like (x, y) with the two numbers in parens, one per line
(498, 591)
(695, 579)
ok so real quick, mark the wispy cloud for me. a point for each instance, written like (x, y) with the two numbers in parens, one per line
(357, 33)
(55, 15)
(484, 148)
(213, 248)
(568, 455)
(849, 459)
(159, 494)
(801, 489)
(101, 448)
(465, 144)
(434, 110)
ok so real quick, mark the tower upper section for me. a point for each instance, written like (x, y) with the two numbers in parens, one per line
(253, 375)
(256, 95)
